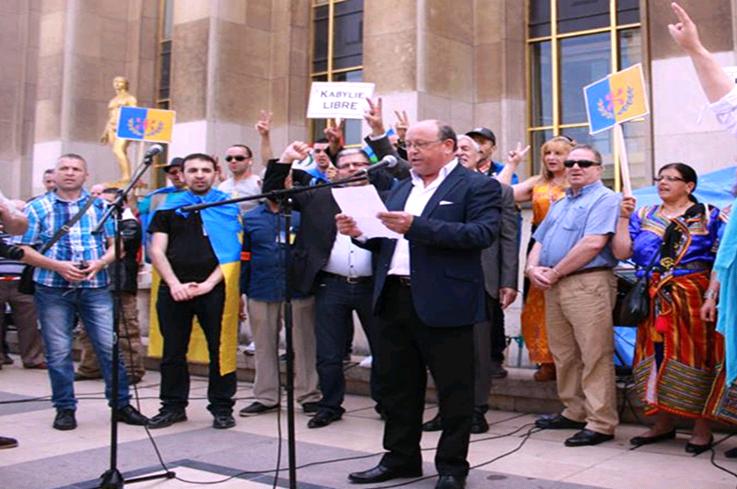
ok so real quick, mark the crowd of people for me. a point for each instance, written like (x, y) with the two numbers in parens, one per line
(438, 292)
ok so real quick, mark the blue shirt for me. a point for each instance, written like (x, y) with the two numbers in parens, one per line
(593, 211)
(262, 272)
(49, 213)
(496, 168)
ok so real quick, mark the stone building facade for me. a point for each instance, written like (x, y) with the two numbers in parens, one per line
(515, 66)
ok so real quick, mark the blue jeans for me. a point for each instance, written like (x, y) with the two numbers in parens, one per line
(57, 310)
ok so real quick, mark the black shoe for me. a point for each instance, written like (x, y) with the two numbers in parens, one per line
(79, 377)
(130, 415)
(310, 407)
(479, 424)
(382, 473)
(65, 420)
(7, 442)
(133, 379)
(256, 408)
(380, 411)
(166, 418)
(7, 360)
(496, 370)
(451, 482)
(558, 422)
(434, 424)
(638, 441)
(223, 421)
(323, 418)
(586, 438)
(699, 449)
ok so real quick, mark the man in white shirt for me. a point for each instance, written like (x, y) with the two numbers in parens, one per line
(428, 293)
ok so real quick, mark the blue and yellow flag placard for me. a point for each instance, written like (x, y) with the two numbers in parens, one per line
(142, 124)
(618, 98)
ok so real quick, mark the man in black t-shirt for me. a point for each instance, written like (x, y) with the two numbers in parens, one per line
(191, 285)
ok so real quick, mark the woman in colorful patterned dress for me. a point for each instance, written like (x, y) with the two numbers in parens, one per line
(542, 190)
(677, 353)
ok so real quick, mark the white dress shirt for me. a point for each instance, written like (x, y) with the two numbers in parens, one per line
(726, 111)
(347, 259)
(418, 198)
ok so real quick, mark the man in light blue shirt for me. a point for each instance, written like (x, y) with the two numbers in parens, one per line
(572, 261)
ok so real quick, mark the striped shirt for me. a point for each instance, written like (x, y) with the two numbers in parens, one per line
(49, 213)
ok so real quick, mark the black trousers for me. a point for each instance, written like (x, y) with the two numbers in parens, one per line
(405, 347)
(498, 336)
(175, 322)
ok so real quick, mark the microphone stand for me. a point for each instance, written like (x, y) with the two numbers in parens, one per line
(284, 197)
(112, 478)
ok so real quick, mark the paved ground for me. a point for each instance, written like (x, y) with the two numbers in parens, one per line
(245, 457)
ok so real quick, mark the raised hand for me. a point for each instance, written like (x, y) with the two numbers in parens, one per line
(515, 156)
(334, 131)
(263, 126)
(684, 31)
(402, 124)
(296, 151)
(374, 117)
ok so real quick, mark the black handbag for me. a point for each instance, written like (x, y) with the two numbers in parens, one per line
(26, 285)
(635, 306)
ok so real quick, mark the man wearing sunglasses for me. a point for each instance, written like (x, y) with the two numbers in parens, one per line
(572, 261)
(243, 183)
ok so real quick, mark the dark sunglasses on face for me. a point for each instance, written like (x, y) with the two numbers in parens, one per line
(580, 163)
(236, 158)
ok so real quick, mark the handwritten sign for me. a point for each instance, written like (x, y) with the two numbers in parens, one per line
(343, 100)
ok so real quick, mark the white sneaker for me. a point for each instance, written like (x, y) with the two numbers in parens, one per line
(250, 348)
(366, 362)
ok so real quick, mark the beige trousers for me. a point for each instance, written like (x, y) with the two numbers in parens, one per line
(266, 321)
(578, 312)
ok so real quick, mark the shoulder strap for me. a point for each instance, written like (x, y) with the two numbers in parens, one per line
(66, 227)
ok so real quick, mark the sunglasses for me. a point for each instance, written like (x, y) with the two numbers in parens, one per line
(580, 163)
(237, 158)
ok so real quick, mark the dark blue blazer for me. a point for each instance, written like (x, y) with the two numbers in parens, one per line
(445, 245)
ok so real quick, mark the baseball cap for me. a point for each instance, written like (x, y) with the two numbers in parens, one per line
(484, 133)
(175, 162)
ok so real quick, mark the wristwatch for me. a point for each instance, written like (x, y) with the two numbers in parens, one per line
(710, 294)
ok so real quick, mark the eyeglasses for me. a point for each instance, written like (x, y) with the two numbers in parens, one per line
(419, 145)
(580, 163)
(319, 150)
(351, 165)
(237, 158)
(668, 178)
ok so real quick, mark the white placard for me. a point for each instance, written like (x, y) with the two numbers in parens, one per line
(343, 100)
(362, 203)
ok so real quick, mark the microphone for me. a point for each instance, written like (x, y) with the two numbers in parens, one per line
(153, 151)
(388, 161)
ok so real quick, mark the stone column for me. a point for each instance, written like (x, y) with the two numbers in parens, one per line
(19, 24)
(83, 45)
(230, 59)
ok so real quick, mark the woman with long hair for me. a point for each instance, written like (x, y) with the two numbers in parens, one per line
(542, 190)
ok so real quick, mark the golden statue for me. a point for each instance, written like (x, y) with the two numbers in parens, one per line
(120, 146)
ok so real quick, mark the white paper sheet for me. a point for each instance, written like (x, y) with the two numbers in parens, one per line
(363, 203)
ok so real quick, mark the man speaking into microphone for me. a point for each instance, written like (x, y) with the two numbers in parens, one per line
(428, 293)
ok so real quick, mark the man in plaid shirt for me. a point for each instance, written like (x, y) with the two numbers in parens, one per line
(71, 281)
